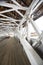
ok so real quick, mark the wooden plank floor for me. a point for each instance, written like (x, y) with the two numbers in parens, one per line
(12, 53)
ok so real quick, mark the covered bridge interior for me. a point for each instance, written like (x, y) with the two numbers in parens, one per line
(17, 45)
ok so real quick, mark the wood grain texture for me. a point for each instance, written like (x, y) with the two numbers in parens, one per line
(12, 53)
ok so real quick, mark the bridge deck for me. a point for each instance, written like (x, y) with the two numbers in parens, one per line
(12, 53)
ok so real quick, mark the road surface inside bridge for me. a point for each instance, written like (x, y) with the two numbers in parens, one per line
(12, 52)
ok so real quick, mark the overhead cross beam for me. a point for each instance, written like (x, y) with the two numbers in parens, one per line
(31, 9)
(8, 18)
(28, 12)
(27, 16)
(34, 5)
(38, 4)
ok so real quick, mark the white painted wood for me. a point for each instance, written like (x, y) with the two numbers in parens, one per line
(31, 54)
(36, 6)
